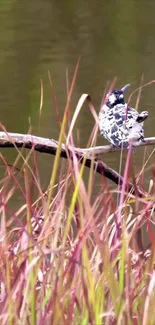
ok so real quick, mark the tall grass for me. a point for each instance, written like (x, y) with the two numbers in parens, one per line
(70, 258)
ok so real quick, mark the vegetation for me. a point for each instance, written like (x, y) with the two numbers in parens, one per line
(70, 258)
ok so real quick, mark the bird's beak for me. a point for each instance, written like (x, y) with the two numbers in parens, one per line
(125, 88)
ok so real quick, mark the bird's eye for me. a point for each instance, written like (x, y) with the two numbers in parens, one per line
(121, 96)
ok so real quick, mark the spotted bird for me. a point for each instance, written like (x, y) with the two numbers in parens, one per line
(118, 122)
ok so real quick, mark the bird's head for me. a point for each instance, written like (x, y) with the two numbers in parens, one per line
(116, 97)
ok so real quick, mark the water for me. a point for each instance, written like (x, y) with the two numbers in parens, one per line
(112, 38)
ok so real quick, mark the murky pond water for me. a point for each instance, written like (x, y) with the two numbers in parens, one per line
(113, 38)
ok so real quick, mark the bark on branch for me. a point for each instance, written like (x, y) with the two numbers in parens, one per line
(45, 145)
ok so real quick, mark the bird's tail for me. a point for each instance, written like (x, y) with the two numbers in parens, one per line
(142, 116)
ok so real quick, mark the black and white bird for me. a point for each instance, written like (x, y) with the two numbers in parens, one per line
(118, 122)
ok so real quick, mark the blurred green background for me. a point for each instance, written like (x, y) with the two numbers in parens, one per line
(113, 38)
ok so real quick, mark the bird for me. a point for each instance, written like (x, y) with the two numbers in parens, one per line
(118, 122)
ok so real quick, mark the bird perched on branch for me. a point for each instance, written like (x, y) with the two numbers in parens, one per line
(118, 122)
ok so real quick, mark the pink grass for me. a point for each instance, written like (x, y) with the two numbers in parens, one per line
(77, 262)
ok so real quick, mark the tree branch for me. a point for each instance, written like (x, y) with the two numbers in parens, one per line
(45, 145)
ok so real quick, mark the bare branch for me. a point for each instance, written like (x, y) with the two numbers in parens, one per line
(49, 145)
(45, 145)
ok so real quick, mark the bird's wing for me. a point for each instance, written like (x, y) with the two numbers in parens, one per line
(122, 126)
(124, 116)
(116, 124)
